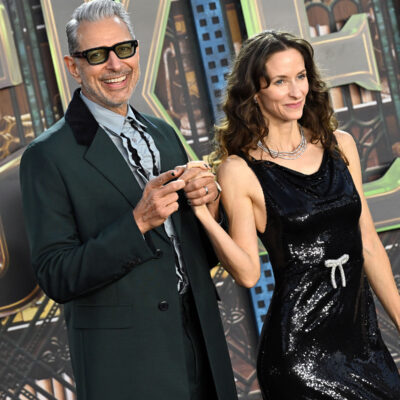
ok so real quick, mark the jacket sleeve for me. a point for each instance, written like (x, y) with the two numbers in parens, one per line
(65, 266)
(206, 243)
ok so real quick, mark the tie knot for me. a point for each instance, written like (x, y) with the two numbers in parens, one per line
(135, 124)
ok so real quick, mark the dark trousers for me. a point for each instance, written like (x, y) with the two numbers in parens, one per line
(201, 382)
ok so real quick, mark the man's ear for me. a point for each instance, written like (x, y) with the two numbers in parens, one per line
(73, 68)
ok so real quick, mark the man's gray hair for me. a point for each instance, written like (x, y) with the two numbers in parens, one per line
(92, 11)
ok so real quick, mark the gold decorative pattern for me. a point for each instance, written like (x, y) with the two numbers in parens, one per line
(30, 313)
(20, 304)
(9, 139)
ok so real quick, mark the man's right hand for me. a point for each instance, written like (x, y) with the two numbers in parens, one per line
(159, 200)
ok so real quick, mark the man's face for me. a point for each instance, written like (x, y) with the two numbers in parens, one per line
(112, 83)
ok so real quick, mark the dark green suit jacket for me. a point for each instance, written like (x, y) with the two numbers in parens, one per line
(87, 252)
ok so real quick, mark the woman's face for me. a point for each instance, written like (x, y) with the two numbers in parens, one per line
(283, 100)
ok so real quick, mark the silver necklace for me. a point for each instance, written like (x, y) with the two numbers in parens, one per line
(287, 155)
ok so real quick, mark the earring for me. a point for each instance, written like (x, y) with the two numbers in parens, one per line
(255, 100)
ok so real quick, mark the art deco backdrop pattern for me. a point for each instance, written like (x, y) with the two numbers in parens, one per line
(200, 40)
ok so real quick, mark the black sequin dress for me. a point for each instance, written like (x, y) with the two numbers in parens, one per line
(320, 339)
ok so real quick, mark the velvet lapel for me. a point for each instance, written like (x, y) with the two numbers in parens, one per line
(102, 153)
(105, 157)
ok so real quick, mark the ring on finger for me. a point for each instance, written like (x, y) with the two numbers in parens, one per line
(206, 189)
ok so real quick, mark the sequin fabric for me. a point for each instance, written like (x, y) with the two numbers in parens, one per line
(320, 338)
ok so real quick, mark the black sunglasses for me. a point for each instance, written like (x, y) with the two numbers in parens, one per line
(99, 55)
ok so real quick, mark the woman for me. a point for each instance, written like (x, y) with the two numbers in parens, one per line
(291, 178)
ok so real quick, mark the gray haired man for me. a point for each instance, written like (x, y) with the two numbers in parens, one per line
(112, 234)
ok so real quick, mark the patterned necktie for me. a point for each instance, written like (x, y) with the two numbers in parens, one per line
(131, 148)
(147, 168)
(133, 155)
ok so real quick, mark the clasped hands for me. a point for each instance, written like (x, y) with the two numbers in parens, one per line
(160, 198)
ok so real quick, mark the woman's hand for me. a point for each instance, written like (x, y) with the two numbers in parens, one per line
(202, 191)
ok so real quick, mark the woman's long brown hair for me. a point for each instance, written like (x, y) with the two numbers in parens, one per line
(244, 125)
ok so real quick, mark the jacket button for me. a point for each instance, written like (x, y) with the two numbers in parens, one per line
(163, 305)
(159, 253)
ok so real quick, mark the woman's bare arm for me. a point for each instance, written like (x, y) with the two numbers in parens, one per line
(238, 250)
(376, 262)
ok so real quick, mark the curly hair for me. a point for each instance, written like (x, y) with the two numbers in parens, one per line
(244, 125)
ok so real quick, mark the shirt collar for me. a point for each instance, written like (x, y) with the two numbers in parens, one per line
(108, 118)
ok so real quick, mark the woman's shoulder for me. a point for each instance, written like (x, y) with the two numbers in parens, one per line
(234, 169)
(344, 139)
(232, 165)
(347, 145)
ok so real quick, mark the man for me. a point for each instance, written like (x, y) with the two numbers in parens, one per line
(113, 239)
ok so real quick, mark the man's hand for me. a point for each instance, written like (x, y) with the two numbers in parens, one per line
(159, 200)
(200, 185)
